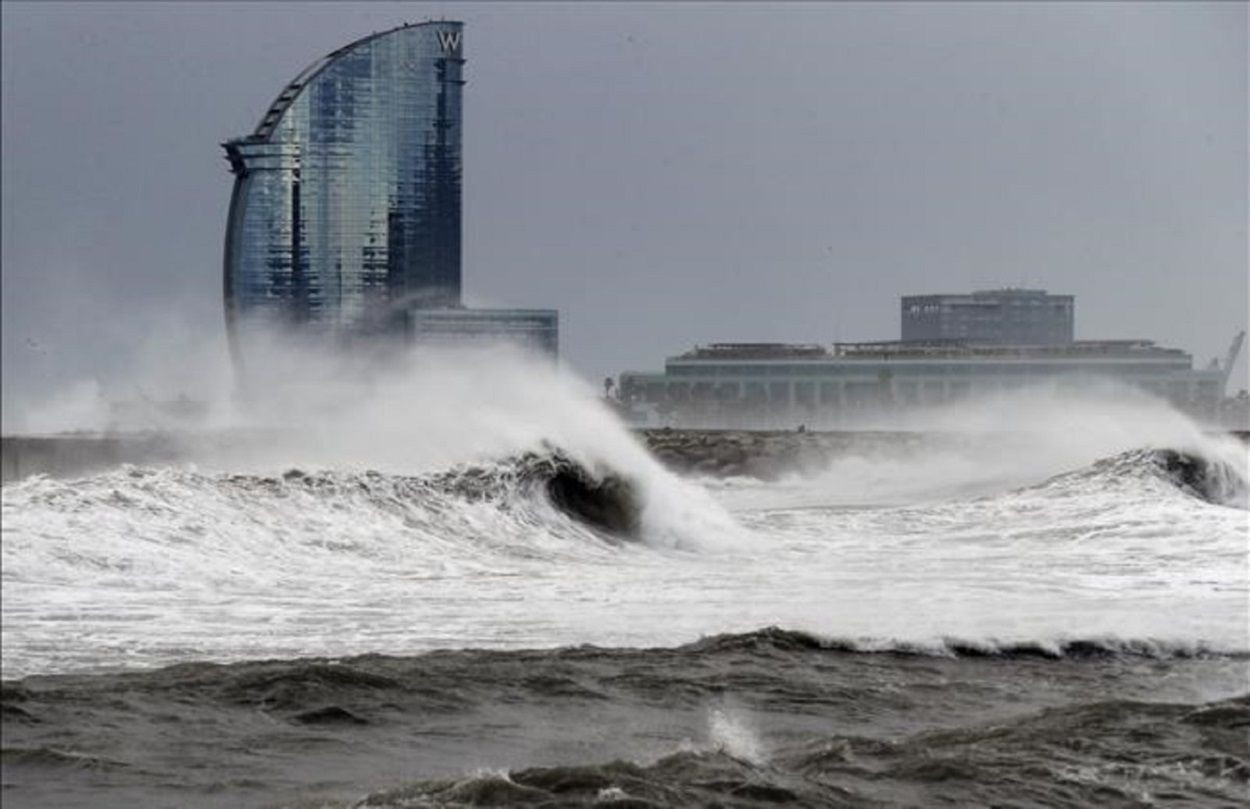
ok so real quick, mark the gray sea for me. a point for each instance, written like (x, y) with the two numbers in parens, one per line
(1045, 619)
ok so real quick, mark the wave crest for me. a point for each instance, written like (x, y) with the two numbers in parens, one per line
(608, 501)
(1211, 478)
(775, 639)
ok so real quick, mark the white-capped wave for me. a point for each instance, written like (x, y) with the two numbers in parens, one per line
(374, 548)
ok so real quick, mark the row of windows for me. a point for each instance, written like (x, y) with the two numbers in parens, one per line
(902, 368)
(991, 306)
(835, 393)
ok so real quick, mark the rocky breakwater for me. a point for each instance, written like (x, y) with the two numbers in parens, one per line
(769, 455)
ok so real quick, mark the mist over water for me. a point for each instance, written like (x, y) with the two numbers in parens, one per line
(397, 578)
(460, 565)
(334, 529)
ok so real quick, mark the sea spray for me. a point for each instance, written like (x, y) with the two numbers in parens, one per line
(729, 731)
(324, 534)
(988, 446)
(140, 566)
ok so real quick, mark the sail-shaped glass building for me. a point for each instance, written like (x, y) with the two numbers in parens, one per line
(345, 215)
(346, 204)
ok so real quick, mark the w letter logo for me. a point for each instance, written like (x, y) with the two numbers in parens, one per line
(449, 40)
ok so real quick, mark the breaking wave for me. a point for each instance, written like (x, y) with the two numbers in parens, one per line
(605, 500)
(519, 585)
(1214, 478)
(144, 566)
(542, 496)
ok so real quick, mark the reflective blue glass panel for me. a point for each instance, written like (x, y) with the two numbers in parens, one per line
(345, 212)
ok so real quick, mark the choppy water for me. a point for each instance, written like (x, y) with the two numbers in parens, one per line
(144, 567)
(948, 626)
(761, 719)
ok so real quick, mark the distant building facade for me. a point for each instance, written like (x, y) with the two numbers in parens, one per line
(954, 347)
(989, 317)
(784, 385)
(534, 329)
(345, 217)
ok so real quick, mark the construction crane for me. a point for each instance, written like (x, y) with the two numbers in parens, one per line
(1233, 351)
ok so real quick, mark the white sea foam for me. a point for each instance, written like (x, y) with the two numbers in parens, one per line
(730, 731)
(989, 446)
(141, 567)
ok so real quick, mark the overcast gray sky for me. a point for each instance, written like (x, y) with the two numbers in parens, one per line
(663, 174)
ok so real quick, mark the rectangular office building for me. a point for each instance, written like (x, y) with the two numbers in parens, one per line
(536, 330)
(989, 317)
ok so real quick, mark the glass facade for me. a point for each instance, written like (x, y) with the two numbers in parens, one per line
(345, 213)
(536, 330)
(990, 317)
